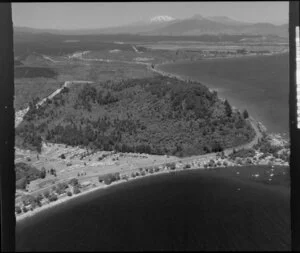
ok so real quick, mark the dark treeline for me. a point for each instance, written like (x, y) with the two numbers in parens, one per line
(32, 72)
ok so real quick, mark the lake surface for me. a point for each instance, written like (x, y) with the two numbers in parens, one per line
(190, 210)
(259, 84)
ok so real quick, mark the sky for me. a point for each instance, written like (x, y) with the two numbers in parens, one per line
(106, 14)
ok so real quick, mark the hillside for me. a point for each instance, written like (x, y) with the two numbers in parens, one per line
(157, 115)
(196, 26)
(205, 26)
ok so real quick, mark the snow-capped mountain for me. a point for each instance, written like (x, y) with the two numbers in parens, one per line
(159, 19)
(195, 25)
(199, 25)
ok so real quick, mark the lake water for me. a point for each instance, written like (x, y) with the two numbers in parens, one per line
(190, 210)
(259, 84)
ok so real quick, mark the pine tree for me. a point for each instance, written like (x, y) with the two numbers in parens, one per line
(228, 108)
(245, 114)
(43, 173)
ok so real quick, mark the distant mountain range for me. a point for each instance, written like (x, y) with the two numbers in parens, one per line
(169, 26)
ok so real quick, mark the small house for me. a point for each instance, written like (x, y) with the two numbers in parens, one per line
(85, 184)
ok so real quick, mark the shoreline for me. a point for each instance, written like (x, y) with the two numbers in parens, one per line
(217, 58)
(155, 69)
(30, 213)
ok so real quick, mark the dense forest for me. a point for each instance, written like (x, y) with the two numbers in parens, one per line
(158, 115)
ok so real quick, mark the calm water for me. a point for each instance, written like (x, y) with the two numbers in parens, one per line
(259, 84)
(191, 210)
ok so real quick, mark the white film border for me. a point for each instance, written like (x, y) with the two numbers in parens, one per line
(298, 76)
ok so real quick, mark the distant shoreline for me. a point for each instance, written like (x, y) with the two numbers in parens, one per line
(218, 58)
